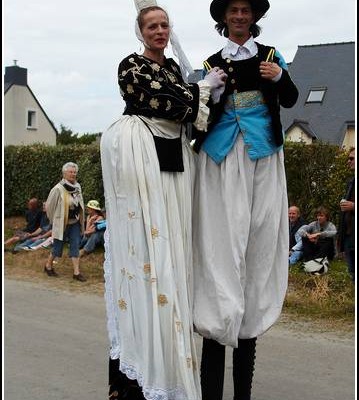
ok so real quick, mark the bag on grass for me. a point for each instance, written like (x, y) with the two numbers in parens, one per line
(317, 266)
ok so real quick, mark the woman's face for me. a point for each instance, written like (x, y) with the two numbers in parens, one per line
(70, 174)
(155, 30)
(322, 218)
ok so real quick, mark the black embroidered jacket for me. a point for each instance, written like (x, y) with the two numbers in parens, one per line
(152, 90)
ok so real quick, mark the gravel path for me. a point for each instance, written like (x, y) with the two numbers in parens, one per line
(55, 347)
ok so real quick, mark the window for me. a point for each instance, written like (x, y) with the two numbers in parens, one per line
(316, 95)
(31, 120)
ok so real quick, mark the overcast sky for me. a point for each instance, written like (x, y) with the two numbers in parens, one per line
(71, 48)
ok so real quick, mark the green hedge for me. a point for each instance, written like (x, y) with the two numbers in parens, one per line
(316, 174)
(31, 171)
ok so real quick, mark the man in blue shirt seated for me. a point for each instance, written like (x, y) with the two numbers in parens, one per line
(33, 218)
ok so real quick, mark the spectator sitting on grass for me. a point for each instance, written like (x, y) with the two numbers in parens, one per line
(318, 236)
(92, 236)
(295, 240)
(39, 235)
(33, 218)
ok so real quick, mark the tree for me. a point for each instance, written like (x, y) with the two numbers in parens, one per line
(66, 136)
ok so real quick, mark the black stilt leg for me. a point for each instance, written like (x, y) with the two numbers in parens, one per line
(212, 370)
(120, 387)
(243, 368)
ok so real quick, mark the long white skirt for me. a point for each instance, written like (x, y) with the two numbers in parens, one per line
(240, 245)
(148, 262)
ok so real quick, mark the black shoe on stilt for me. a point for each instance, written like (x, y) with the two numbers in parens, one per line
(121, 387)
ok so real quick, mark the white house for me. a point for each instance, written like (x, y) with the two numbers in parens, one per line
(25, 121)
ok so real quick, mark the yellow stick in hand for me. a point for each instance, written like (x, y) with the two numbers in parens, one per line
(270, 55)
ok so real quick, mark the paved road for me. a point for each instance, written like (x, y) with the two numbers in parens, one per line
(56, 349)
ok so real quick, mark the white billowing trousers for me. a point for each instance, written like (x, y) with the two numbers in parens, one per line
(240, 245)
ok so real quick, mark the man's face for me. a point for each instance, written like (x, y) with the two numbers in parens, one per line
(239, 18)
(32, 204)
(293, 214)
(351, 160)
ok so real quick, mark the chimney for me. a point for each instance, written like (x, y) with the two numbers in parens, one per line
(16, 75)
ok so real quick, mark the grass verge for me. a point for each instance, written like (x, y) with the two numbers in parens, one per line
(324, 303)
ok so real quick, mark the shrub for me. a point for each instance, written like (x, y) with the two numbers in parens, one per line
(316, 174)
(31, 171)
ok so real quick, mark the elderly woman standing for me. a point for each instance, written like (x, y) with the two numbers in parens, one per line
(65, 209)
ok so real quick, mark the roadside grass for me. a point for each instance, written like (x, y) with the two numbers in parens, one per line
(329, 297)
(326, 302)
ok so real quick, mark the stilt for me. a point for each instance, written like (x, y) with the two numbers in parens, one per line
(243, 368)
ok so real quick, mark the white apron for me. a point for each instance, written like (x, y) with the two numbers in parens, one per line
(148, 260)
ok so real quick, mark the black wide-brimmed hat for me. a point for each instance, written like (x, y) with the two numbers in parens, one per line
(259, 7)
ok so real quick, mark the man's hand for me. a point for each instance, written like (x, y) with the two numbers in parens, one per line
(346, 205)
(269, 70)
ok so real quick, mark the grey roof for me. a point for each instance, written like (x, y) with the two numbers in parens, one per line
(195, 76)
(7, 86)
(330, 66)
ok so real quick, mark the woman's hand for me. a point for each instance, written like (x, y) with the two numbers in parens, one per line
(216, 77)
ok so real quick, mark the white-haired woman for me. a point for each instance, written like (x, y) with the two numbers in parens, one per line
(148, 171)
(65, 209)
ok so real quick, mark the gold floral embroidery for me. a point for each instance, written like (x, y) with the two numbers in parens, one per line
(142, 97)
(179, 326)
(154, 232)
(122, 304)
(162, 299)
(189, 362)
(172, 78)
(147, 268)
(155, 85)
(154, 103)
(155, 67)
(169, 105)
(130, 89)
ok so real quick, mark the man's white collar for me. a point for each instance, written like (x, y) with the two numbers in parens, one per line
(232, 48)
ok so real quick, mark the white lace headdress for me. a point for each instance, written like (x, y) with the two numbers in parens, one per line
(184, 64)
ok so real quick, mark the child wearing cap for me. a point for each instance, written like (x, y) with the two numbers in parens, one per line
(92, 237)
